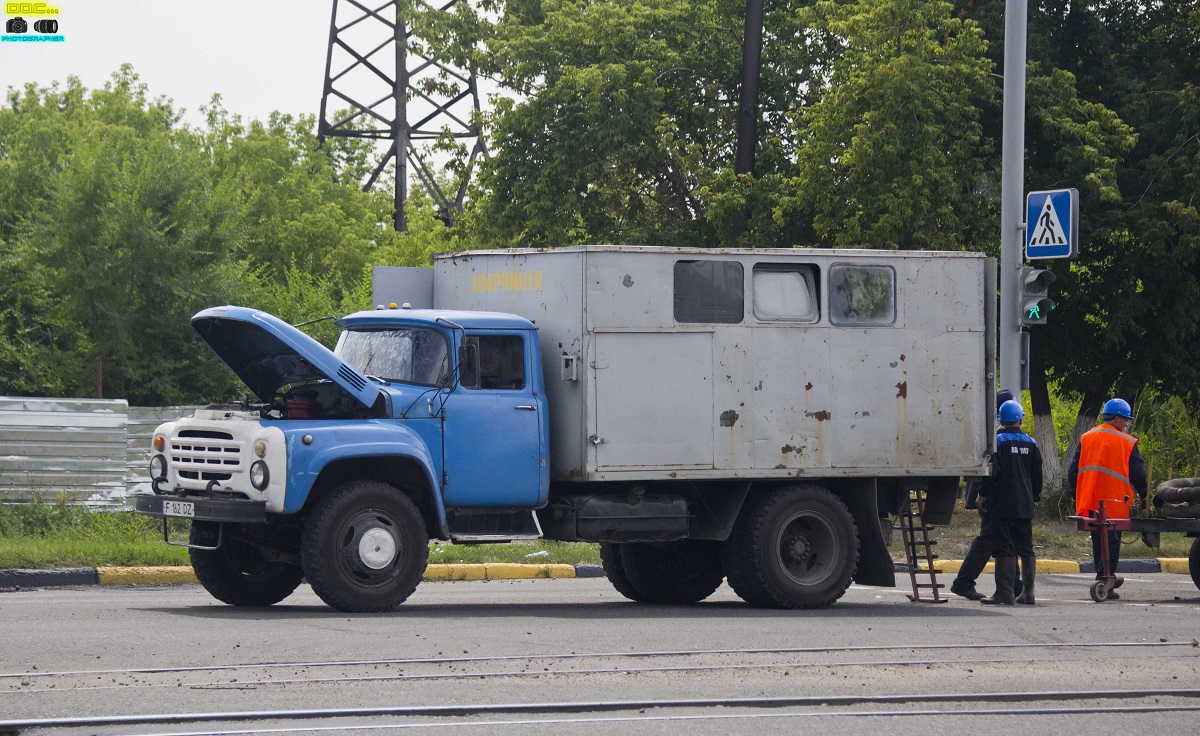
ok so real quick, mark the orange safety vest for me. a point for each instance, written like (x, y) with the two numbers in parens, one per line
(1104, 472)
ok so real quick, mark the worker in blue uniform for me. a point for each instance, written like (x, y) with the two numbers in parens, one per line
(980, 550)
(1009, 494)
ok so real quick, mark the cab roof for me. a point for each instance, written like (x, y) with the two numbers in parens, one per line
(468, 320)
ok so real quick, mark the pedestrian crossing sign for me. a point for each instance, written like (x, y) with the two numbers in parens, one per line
(1052, 224)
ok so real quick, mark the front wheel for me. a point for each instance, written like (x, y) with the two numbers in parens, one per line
(236, 572)
(1099, 591)
(365, 547)
(793, 547)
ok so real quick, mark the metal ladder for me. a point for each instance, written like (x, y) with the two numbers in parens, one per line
(918, 548)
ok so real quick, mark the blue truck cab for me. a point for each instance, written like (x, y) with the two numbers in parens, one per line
(419, 424)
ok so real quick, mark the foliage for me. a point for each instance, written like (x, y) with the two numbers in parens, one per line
(1169, 438)
(39, 519)
(893, 150)
(618, 123)
(117, 223)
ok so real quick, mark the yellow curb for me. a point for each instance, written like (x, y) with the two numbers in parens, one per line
(1177, 565)
(1057, 566)
(145, 575)
(942, 566)
(1042, 566)
(512, 571)
(455, 572)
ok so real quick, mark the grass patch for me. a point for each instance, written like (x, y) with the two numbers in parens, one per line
(1053, 539)
(41, 535)
(540, 552)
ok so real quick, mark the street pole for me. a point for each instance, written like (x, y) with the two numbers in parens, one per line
(1012, 186)
(747, 122)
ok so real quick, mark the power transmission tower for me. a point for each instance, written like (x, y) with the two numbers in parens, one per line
(367, 74)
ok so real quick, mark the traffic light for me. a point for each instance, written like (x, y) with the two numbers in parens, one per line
(1035, 302)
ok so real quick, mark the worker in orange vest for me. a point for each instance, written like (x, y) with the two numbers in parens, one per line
(1108, 466)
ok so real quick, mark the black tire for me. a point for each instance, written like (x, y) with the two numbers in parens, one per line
(686, 571)
(793, 547)
(614, 569)
(365, 547)
(236, 573)
(1194, 561)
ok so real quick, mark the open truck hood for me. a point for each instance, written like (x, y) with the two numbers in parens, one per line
(267, 353)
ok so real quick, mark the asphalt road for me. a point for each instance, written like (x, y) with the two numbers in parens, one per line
(491, 649)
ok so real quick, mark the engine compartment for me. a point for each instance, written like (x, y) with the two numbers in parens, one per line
(321, 399)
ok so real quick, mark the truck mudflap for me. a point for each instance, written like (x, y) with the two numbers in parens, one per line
(202, 508)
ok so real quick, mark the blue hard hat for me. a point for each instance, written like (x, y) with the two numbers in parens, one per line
(1011, 411)
(1117, 408)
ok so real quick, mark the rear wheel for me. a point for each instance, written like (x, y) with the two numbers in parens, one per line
(236, 572)
(1194, 561)
(793, 547)
(686, 571)
(614, 570)
(365, 547)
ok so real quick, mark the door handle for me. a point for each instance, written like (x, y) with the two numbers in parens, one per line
(526, 407)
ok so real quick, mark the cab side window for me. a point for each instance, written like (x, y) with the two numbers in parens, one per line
(501, 362)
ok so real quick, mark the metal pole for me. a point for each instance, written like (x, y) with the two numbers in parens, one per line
(747, 132)
(401, 123)
(1012, 187)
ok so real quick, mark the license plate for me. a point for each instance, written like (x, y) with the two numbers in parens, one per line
(179, 508)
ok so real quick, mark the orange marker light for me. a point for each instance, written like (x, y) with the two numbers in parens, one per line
(159, 443)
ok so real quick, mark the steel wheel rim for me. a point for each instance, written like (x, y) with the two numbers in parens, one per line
(807, 548)
(371, 548)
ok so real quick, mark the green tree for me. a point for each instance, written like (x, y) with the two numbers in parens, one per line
(893, 151)
(120, 237)
(625, 110)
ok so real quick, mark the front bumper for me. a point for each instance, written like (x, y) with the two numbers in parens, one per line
(234, 510)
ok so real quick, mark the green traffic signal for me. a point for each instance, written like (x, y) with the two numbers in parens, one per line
(1035, 301)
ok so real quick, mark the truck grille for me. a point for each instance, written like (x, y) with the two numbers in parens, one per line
(205, 455)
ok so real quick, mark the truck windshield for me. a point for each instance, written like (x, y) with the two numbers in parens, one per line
(410, 355)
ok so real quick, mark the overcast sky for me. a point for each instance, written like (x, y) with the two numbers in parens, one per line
(261, 55)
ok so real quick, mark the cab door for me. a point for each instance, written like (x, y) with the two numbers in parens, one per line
(495, 421)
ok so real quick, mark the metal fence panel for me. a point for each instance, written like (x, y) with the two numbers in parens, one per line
(93, 452)
(63, 449)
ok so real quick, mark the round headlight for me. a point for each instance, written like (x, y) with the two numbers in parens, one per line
(158, 467)
(259, 475)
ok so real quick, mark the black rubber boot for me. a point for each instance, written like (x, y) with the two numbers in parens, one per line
(1028, 572)
(1006, 573)
(966, 589)
(972, 566)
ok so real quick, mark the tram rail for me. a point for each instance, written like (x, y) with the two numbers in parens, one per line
(611, 706)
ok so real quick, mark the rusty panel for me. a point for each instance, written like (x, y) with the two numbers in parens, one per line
(788, 399)
(789, 396)
(870, 369)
